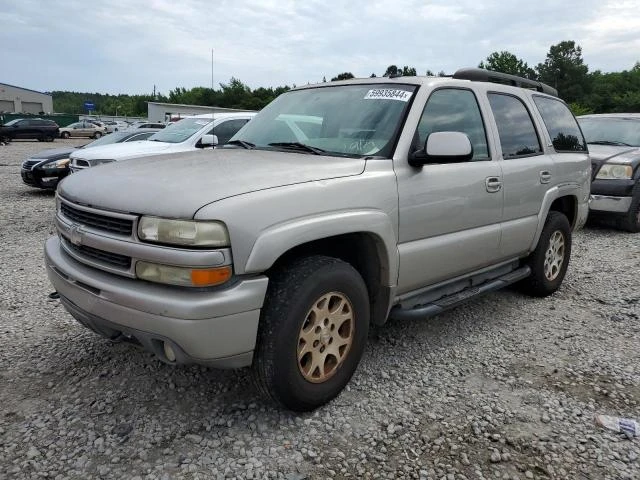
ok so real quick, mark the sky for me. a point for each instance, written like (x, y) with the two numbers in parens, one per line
(128, 46)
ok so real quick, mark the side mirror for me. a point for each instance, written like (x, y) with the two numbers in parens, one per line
(443, 147)
(209, 140)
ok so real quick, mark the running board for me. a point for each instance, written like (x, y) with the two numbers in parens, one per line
(455, 299)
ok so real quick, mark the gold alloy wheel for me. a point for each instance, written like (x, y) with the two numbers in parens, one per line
(326, 337)
(554, 257)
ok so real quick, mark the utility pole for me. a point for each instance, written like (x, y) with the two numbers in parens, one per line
(212, 69)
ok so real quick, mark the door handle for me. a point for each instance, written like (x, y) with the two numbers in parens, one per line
(545, 176)
(493, 184)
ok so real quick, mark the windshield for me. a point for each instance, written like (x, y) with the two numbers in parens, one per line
(180, 131)
(114, 137)
(13, 121)
(622, 131)
(346, 120)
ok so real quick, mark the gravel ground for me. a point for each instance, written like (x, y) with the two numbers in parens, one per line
(504, 387)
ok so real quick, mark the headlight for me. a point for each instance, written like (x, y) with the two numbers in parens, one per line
(62, 163)
(611, 171)
(183, 276)
(183, 232)
(100, 161)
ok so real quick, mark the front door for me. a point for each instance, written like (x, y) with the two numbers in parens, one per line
(449, 213)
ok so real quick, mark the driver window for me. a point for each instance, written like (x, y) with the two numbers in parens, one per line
(454, 110)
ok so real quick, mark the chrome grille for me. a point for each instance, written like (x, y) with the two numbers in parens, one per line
(29, 164)
(114, 259)
(120, 226)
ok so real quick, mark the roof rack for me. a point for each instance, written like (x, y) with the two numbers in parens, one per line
(481, 75)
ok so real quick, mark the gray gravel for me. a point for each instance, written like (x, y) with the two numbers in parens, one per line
(504, 387)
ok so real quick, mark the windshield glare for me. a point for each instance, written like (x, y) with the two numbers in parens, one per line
(617, 130)
(180, 131)
(114, 137)
(13, 121)
(346, 120)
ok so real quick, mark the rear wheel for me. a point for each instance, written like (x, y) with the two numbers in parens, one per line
(65, 135)
(631, 221)
(312, 332)
(97, 135)
(550, 259)
(48, 138)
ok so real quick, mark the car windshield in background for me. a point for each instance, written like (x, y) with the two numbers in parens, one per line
(180, 131)
(611, 131)
(346, 120)
(12, 122)
(114, 137)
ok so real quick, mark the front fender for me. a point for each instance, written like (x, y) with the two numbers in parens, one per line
(280, 238)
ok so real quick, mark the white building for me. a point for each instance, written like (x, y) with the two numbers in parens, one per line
(166, 112)
(22, 100)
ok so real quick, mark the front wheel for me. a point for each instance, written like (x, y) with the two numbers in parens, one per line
(312, 333)
(631, 220)
(550, 259)
(97, 135)
(65, 135)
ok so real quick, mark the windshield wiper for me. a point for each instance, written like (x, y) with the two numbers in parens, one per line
(298, 146)
(242, 143)
(609, 142)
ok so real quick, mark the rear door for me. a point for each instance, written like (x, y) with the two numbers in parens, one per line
(527, 171)
(450, 213)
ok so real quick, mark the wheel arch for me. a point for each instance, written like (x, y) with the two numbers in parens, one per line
(365, 240)
(559, 199)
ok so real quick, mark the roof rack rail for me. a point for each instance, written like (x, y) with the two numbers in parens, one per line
(481, 75)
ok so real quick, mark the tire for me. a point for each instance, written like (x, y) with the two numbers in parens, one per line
(297, 293)
(631, 220)
(48, 138)
(97, 135)
(65, 135)
(554, 243)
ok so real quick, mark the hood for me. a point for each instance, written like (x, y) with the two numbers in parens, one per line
(602, 152)
(121, 151)
(176, 186)
(53, 153)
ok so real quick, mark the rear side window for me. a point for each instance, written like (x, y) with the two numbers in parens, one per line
(561, 125)
(518, 135)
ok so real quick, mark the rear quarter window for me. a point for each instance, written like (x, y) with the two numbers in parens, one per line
(562, 126)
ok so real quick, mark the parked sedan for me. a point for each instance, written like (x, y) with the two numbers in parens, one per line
(614, 141)
(45, 169)
(116, 125)
(83, 128)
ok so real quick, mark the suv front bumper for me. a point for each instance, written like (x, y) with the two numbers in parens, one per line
(215, 327)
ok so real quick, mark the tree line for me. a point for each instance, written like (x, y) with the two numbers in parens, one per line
(563, 68)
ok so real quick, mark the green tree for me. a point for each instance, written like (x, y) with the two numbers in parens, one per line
(391, 71)
(507, 62)
(564, 69)
(343, 76)
(408, 71)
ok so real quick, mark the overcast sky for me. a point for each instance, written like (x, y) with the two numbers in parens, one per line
(128, 46)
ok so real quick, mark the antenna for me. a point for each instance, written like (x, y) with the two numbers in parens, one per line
(213, 108)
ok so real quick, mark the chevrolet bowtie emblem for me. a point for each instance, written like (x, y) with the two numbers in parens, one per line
(75, 234)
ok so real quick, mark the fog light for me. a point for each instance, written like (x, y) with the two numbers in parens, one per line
(168, 352)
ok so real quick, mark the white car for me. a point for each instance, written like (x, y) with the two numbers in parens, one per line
(190, 133)
(116, 125)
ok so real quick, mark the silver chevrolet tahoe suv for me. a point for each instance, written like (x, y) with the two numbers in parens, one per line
(338, 206)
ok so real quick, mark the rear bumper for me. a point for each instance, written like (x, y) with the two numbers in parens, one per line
(210, 327)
